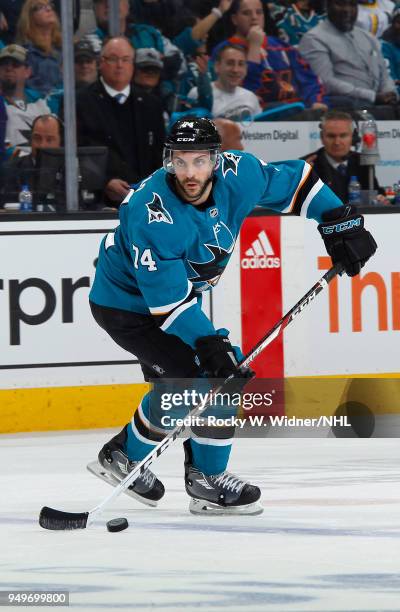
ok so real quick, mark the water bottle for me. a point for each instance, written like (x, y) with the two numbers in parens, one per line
(354, 191)
(25, 199)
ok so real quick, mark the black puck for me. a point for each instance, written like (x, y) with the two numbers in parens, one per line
(118, 524)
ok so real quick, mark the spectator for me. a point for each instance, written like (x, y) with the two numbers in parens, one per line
(196, 76)
(147, 76)
(277, 8)
(297, 20)
(23, 104)
(391, 48)
(85, 65)
(47, 132)
(374, 17)
(158, 13)
(38, 30)
(335, 162)
(196, 34)
(112, 113)
(148, 67)
(9, 13)
(348, 60)
(140, 35)
(276, 72)
(11, 10)
(230, 100)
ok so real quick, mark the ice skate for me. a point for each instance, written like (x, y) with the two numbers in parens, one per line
(113, 465)
(222, 493)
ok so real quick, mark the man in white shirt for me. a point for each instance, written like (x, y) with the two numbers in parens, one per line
(230, 100)
(23, 105)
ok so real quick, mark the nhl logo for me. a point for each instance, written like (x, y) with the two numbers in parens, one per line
(214, 212)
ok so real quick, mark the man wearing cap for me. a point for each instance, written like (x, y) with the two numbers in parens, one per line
(147, 76)
(148, 66)
(23, 104)
(85, 64)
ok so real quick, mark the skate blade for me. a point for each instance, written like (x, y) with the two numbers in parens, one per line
(201, 506)
(95, 468)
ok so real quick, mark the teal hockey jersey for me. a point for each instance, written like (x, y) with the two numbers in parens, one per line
(165, 252)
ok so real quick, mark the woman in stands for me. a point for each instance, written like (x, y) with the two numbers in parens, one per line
(38, 30)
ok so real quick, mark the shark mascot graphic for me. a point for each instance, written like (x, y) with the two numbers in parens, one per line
(157, 212)
(206, 273)
(230, 163)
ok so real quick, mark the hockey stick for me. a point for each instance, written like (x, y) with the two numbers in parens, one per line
(57, 519)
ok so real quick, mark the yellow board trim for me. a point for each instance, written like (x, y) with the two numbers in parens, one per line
(61, 408)
(312, 397)
(58, 408)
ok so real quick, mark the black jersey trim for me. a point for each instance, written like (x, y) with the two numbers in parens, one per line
(162, 319)
(309, 179)
(145, 431)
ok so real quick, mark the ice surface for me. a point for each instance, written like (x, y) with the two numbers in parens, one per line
(328, 539)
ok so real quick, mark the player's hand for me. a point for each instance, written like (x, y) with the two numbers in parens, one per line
(387, 97)
(217, 357)
(346, 240)
(117, 189)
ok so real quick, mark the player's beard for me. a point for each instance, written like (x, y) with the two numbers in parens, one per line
(193, 196)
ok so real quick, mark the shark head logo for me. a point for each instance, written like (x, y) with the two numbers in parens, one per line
(157, 212)
(230, 162)
(207, 273)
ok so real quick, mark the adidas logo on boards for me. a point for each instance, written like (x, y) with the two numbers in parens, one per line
(261, 254)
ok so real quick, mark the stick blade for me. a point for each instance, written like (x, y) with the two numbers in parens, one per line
(59, 520)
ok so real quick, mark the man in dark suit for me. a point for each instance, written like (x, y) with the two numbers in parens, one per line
(130, 123)
(335, 162)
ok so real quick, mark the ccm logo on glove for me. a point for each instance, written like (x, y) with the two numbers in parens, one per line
(346, 239)
(343, 227)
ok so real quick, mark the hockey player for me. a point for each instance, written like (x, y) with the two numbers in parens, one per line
(176, 234)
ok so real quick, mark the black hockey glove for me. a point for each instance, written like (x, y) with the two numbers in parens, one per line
(346, 239)
(217, 358)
